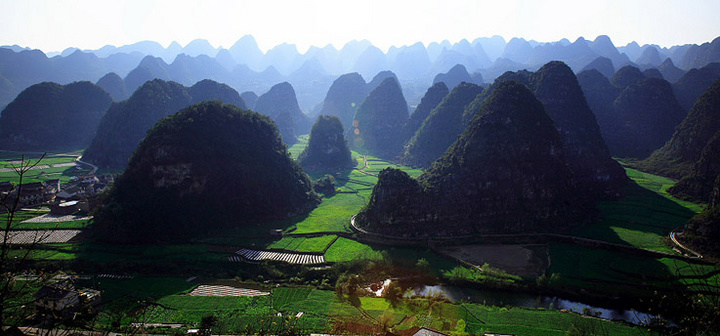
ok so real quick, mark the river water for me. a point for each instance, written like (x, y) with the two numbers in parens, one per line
(529, 301)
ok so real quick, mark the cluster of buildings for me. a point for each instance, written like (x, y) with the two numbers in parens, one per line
(78, 194)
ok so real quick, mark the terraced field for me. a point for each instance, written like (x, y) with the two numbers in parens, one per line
(292, 258)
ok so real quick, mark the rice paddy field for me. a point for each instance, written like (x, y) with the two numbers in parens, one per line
(52, 166)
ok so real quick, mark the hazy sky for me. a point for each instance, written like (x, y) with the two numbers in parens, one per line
(53, 25)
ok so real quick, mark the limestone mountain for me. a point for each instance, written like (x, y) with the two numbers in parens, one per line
(456, 75)
(379, 121)
(693, 83)
(50, 116)
(208, 167)
(505, 173)
(344, 97)
(556, 86)
(678, 156)
(126, 123)
(441, 128)
(249, 98)
(669, 71)
(588, 157)
(327, 150)
(432, 98)
(647, 114)
(211, 90)
(114, 85)
(627, 76)
(703, 230)
(698, 185)
(636, 114)
(281, 105)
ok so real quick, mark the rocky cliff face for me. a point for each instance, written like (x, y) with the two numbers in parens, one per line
(441, 128)
(208, 167)
(379, 121)
(327, 150)
(506, 173)
(50, 116)
(678, 156)
(344, 97)
(280, 104)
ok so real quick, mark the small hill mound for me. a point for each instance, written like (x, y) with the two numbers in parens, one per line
(344, 97)
(441, 128)
(50, 116)
(379, 121)
(327, 150)
(208, 167)
(506, 173)
(678, 156)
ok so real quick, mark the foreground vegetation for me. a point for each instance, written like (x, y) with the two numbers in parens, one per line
(642, 218)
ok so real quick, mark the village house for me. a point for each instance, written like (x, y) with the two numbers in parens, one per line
(62, 300)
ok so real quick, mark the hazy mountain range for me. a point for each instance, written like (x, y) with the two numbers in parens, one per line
(245, 67)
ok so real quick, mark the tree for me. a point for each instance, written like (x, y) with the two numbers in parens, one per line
(13, 256)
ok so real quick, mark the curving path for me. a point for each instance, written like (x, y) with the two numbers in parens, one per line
(673, 237)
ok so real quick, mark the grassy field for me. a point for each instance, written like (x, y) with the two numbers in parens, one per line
(302, 244)
(643, 217)
(347, 249)
(163, 300)
(8, 160)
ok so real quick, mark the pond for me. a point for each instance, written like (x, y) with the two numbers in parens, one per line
(492, 298)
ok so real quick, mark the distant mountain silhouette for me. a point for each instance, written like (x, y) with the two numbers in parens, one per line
(702, 55)
(50, 116)
(249, 98)
(603, 65)
(693, 83)
(206, 168)
(344, 97)
(454, 76)
(280, 104)
(114, 85)
(669, 71)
